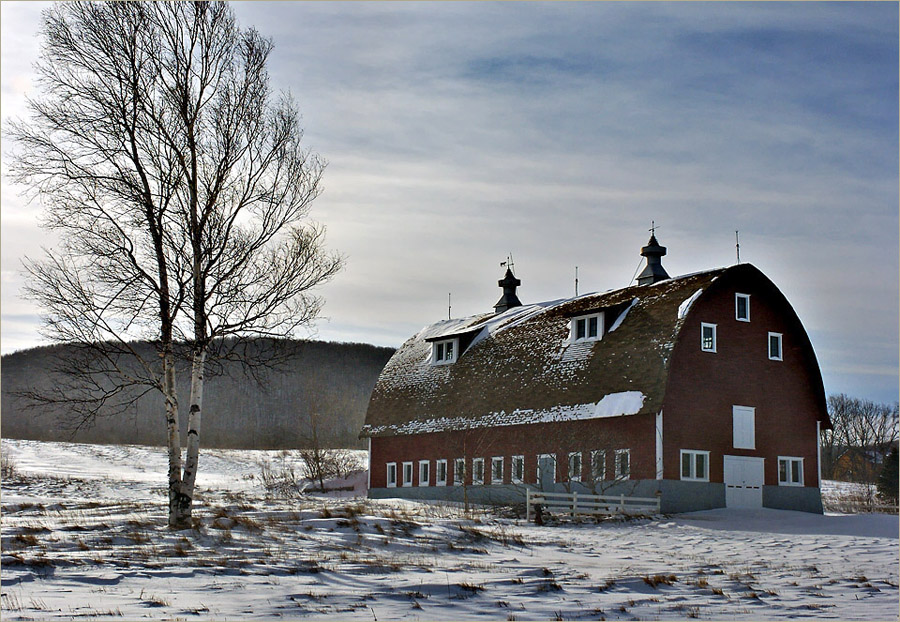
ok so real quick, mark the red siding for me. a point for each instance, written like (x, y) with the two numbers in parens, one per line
(703, 386)
(636, 433)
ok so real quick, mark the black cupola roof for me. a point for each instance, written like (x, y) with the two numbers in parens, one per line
(654, 271)
(508, 300)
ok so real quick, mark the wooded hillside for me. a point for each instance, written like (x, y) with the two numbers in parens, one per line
(331, 379)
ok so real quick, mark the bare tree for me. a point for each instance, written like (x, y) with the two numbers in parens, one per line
(862, 434)
(181, 190)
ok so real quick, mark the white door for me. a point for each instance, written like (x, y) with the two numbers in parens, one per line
(546, 472)
(743, 482)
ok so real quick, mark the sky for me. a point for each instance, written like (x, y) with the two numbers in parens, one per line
(458, 134)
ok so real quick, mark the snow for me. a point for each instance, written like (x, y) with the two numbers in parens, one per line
(685, 306)
(84, 536)
(615, 404)
(622, 315)
(611, 405)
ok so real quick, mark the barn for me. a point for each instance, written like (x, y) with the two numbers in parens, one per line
(701, 389)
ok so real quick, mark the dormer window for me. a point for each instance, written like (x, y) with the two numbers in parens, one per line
(444, 352)
(587, 328)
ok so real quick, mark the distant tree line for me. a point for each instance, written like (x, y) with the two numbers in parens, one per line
(268, 408)
(861, 439)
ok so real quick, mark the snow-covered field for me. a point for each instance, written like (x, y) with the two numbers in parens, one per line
(84, 536)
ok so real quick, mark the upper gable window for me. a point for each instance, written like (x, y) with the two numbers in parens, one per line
(587, 328)
(444, 352)
(744, 427)
(742, 307)
(707, 337)
(775, 353)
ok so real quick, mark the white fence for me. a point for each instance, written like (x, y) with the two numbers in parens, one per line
(574, 503)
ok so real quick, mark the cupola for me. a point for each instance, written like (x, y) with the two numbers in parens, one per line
(654, 271)
(509, 283)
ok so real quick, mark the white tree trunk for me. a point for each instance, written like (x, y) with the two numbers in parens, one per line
(173, 440)
(193, 434)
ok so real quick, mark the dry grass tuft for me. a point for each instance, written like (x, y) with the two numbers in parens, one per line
(659, 578)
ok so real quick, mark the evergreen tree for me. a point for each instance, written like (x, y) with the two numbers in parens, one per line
(888, 480)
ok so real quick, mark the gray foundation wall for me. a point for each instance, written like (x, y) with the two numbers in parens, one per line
(676, 495)
(801, 498)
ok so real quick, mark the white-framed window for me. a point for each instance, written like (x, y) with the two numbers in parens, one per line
(575, 466)
(775, 353)
(424, 472)
(586, 328)
(623, 463)
(744, 427)
(444, 352)
(477, 471)
(440, 472)
(391, 474)
(598, 465)
(742, 307)
(546, 465)
(707, 337)
(695, 465)
(518, 469)
(790, 471)
(407, 474)
(497, 470)
(459, 471)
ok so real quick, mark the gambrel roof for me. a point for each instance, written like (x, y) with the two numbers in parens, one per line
(520, 366)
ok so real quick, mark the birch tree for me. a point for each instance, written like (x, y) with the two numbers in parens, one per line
(180, 188)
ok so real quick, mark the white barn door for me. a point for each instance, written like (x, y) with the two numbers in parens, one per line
(744, 478)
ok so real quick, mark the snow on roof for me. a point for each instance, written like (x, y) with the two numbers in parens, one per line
(685, 306)
(612, 405)
(522, 363)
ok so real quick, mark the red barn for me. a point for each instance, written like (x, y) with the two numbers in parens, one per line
(702, 388)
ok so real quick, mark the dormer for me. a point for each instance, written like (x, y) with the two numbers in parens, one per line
(444, 351)
(587, 327)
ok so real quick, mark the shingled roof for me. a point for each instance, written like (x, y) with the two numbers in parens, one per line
(520, 366)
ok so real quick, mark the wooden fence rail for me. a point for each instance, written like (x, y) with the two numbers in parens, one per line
(573, 503)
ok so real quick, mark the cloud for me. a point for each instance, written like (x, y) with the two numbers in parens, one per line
(459, 132)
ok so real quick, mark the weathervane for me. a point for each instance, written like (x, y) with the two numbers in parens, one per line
(653, 227)
(509, 263)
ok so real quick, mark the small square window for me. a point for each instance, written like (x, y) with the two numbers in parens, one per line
(497, 470)
(707, 337)
(518, 469)
(424, 472)
(407, 474)
(440, 473)
(623, 463)
(742, 307)
(459, 471)
(587, 328)
(477, 471)
(443, 352)
(790, 471)
(775, 352)
(598, 465)
(695, 465)
(391, 474)
(575, 466)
